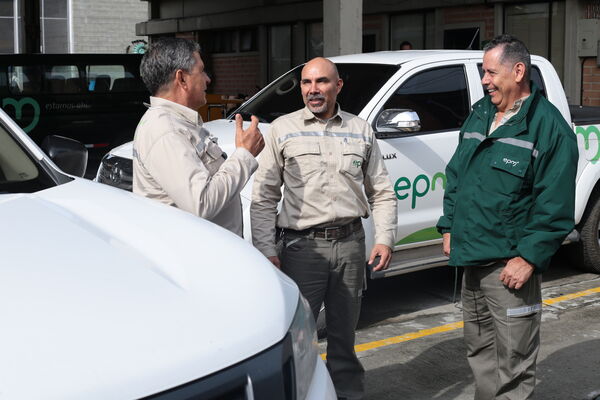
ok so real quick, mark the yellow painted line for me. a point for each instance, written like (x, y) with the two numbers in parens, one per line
(571, 296)
(453, 326)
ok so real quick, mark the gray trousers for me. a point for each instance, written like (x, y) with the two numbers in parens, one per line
(502, 333)
(332, 271)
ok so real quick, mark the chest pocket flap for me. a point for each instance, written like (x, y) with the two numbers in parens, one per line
(355, 149)
(513, 164)
(301, 149)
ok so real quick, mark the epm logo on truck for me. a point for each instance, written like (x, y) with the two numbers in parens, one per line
(419, 187)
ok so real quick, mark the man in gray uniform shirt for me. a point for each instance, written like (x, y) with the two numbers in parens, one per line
(177, 161)
(325, 158)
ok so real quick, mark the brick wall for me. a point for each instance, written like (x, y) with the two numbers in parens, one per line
(235, 73)
(477, 14)
(106, 26)
(591, 83)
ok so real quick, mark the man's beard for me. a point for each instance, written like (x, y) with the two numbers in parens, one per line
(316, 109)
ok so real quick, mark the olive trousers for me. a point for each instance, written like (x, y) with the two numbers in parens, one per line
(332, 271)
(502, 332)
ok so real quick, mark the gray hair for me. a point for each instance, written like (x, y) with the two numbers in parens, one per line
(513, 51)
(162, 60)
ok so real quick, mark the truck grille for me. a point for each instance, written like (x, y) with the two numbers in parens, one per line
(268, 375)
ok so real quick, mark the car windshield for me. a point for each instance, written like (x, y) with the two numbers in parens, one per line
(361, 82)
(19, 173)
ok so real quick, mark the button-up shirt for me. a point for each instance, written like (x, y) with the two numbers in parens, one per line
(177, 162)
(332, 172)
(514, 110)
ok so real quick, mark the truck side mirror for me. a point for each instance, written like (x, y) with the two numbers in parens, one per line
(396, 121)
(68, 154)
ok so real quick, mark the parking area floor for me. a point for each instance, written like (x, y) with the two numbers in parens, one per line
(419, 353)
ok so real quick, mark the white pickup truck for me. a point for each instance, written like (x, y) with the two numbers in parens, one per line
(107, 295)
(416, 102)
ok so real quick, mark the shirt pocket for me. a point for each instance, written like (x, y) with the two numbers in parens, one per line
(353, 159)
(509, 172)
(302, 162)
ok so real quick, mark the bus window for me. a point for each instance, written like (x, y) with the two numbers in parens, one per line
(62, 79)
(24, 79)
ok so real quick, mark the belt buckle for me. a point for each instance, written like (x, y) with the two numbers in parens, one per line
(326, 233)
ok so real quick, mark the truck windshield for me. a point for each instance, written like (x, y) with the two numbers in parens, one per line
(361, 82)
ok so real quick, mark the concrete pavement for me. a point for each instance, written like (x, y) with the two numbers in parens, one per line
(420, 355)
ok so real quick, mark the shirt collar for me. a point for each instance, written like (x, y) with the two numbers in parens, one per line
(308, 115)
(183, 111)
(517, 106)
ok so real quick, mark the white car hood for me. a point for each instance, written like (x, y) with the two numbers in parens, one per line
(104, 294)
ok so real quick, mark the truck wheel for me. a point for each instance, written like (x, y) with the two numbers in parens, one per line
(588, 249)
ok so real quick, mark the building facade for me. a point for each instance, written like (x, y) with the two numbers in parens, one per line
(248, 43)
(69, 26)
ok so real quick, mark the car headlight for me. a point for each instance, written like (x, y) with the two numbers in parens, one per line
(304, 343)
(115, 171)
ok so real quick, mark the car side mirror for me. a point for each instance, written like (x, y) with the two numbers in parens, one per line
(396, 121)
(68, 154)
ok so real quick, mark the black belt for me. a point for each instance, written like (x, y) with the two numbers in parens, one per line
(331, 233)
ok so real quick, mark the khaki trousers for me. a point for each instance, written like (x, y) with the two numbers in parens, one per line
(502, 333)
(332, 271)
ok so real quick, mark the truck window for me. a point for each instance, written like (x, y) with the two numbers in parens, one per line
(361, 83)
(19, 173)
(439, 96)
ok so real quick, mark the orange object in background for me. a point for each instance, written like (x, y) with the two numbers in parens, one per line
(217, 106)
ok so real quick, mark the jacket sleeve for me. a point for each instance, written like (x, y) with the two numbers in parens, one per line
(266, 193)
(552, 216)
(444, 224)
(381, 197)
(174, 163)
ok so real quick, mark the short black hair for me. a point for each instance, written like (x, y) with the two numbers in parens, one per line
(513, 51)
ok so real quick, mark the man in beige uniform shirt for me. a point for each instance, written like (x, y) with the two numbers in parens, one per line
(324, 157)
(177, 161)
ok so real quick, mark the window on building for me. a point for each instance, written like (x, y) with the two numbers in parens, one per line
(314, 40)
(439, 96)
(369, 43)
(464, 38)
(248, 40)
(7, 26)
(230, 41)
(54, 26)
(280, 50)
(541, 26)
(416, 28)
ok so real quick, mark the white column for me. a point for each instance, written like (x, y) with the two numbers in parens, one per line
(342, 27)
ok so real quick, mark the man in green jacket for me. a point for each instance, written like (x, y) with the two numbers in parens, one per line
(508, 206)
